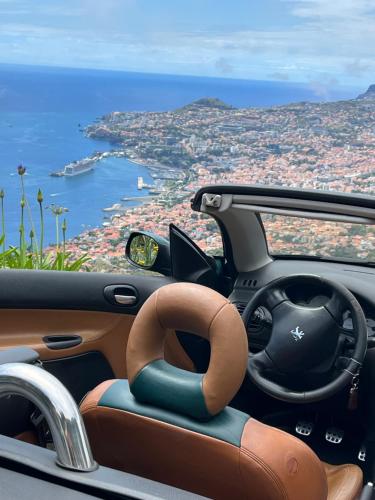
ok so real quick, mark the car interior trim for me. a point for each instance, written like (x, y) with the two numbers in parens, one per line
(163, 385)
(105, 332)
(246, 233)
(305, 205)
(226, 426)
(328, 216)
(354, 199)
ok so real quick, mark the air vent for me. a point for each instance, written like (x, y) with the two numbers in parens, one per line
(240, 307)
(249, 283)
(257, 321)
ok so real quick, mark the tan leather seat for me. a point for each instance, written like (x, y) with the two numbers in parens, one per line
(174, 426)
(343, 480)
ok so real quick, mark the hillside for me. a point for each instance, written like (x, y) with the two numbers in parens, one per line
(208, 102)
(369, 94)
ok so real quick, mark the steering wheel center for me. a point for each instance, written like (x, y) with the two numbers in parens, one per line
(302, 337)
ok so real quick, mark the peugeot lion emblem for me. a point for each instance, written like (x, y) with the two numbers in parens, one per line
(297, 333)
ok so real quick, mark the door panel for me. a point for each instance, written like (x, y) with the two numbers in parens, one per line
(106, 333)
(39, 304)
(103, 332)
(22, 289)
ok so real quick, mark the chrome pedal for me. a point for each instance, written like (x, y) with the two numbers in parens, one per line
(304, 428)
(362, 453)
(334, 435)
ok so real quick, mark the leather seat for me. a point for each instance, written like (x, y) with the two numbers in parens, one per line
(175, 427)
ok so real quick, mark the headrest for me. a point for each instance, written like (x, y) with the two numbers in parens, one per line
(201, 311)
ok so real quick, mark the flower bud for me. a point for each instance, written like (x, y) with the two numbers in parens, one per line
(21, 169)
(39, 196)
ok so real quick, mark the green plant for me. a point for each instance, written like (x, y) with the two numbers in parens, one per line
(39, 199)
(32, 255)
(2, 194)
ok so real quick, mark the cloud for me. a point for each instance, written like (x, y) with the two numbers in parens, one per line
(328, 10)
(321, 37)
(356, 68)
(223, 66)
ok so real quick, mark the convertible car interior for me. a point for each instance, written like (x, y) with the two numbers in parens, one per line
(246, 373)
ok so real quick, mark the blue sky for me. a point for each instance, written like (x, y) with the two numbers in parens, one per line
(325, 43)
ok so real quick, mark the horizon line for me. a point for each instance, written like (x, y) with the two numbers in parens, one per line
(181, 75)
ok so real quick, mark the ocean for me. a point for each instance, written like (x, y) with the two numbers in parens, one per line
(43, 111)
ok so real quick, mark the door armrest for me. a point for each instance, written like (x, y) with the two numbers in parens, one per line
(19, 355)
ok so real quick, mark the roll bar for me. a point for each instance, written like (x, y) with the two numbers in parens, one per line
(57, 406)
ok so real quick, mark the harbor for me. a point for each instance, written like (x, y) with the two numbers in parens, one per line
(79, 167)
(159, 173)
(139, 198)
(151, 186)
(118, 207)
(87, 164)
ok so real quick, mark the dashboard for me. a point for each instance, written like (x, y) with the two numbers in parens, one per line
(359, 280)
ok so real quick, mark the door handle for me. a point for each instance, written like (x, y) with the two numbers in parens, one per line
(125, 300)
(56, 342)
(121, 295)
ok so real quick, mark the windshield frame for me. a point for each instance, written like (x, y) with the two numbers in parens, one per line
(239, 207)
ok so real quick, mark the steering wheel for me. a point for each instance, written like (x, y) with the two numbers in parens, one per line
(305, 342)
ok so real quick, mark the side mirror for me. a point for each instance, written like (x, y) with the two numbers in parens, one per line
(149, 251)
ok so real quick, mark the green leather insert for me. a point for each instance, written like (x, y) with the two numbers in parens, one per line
(226, 426)
(161, 384)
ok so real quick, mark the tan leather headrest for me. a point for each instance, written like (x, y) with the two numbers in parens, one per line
(201, 311)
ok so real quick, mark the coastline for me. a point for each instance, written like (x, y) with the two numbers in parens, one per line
(137, 162)
(101, 155)
(147, 193)
(150, 191)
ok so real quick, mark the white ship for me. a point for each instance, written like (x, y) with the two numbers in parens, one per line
(78, 167)
(140, 183)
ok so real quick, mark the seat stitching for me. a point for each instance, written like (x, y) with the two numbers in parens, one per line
(90, 406)
(240, 471)
(216, 314)
(269, 471)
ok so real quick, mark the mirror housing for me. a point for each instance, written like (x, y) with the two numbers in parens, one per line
(149, 251)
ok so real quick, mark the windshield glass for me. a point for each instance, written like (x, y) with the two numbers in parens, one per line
(301, 236)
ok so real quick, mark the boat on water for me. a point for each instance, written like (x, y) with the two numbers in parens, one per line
(76, 168)
(79, 167)
(115, 206)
